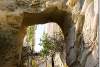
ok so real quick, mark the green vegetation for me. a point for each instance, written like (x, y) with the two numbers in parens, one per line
(28, 50)
(52, 44)
(30, 35)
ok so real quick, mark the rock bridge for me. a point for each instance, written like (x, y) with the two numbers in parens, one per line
(13, 26)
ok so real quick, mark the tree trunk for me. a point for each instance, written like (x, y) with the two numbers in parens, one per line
(52, 58)
(46, 62)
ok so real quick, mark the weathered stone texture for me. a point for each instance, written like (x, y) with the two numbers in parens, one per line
(81, 49)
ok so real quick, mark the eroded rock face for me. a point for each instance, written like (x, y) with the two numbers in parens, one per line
(10, 40)
(82, 39)
(12, 31)
(90, 35)
(14, 22)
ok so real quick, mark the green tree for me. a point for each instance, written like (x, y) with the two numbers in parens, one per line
(51, 45)
(28, 50)
(31, 35)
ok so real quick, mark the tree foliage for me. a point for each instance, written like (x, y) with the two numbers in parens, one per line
(52, 44)
(30, 35)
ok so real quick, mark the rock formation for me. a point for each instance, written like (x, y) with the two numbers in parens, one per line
(81, 43)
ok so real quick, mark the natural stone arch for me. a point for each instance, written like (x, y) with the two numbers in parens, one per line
(62, 17)
(11, 37)
(12, 31)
